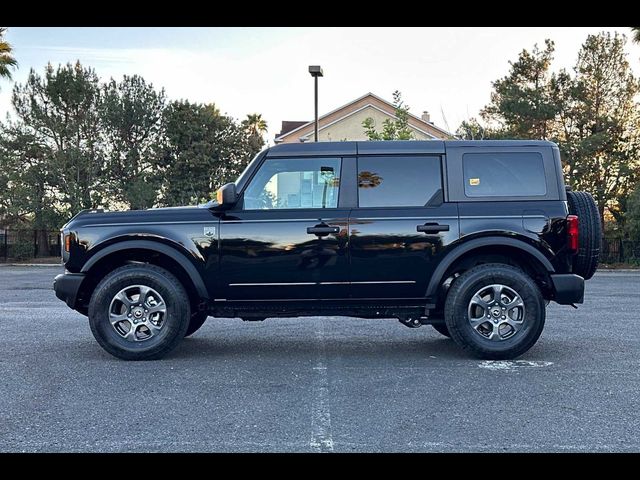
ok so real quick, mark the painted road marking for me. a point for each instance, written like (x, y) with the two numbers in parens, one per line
(512, 365)
(321, 440)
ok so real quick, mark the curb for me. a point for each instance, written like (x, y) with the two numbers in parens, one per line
(618, 270)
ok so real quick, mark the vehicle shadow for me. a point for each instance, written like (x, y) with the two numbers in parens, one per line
(266, 345)
(351, 350)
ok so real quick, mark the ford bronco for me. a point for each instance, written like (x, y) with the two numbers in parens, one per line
(472, 237)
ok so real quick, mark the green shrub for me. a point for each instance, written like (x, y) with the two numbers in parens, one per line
(21, 250)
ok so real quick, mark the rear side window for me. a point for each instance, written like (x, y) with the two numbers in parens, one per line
(504, 174)
(397, 181)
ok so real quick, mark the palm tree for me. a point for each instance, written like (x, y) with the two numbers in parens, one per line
(636, 34)
(6, 59)
(255, 124)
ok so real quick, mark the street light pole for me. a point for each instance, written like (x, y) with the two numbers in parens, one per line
(315, 71)
(315, 103)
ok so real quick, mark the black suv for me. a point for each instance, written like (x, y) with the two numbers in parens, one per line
(471, 237)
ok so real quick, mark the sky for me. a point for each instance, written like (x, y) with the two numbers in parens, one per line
(447, 71)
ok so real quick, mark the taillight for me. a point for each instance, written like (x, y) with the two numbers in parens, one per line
(67, 243)
(573, 240)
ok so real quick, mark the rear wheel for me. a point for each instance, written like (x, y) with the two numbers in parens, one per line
(585, 261)
(442, 329)
(494, 311)
(139, 312)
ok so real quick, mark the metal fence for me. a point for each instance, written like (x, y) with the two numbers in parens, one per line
(24, 244)
(618, 250)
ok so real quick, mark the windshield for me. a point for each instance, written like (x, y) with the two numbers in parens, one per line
(240, 181)
(245, 173)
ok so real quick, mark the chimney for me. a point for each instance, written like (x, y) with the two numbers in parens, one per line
(426, 117)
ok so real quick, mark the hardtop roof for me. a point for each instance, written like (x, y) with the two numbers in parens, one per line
(392, 147)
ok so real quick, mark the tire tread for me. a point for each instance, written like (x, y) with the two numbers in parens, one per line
(585, 261)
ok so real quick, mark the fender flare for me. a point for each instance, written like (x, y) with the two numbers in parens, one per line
(167, 250)
(466, 247)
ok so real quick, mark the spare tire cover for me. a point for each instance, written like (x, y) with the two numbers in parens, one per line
(585, 262)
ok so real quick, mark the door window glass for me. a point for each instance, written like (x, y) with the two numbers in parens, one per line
(397, 181)
(294, 183)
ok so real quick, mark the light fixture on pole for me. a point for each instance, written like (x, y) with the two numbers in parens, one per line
(315, 71)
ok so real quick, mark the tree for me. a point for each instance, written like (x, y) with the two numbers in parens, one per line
(472, 129)
(633, 214)
(633, 205)
(254, 124)
(27, 198)
(202, 151)
(599, 122)
(131, 117)
(392, 129)
(590, 112)
(61, 113)
(255, 127)
(76, 143)
(520, 102)
(7, 61)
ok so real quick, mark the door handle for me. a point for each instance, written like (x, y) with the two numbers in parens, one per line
(322, 230)
(432, 228)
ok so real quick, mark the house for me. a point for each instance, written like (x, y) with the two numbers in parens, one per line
(345, 123)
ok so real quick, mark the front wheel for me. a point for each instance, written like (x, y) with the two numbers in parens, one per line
(139, 312)
(494, 311)
(197, 320)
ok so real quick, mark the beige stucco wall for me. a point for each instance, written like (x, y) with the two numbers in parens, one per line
(352, 125)
(350, 128)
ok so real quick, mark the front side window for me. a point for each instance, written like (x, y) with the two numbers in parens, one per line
(294, 183)
(519, 174)
(398, 181)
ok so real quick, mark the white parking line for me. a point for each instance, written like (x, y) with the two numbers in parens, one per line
(321, 440)
(510, 366)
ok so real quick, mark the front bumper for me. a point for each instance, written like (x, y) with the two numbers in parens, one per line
(67, 285)
(568, 287)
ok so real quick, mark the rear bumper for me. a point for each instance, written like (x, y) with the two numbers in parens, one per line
(66, 286)
(568, 287)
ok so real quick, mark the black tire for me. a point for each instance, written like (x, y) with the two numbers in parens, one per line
(442, 329)
(457, 318)
(197, 320)
(175, 322)
(585, 262)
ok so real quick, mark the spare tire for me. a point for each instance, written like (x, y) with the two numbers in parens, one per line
(585, 261)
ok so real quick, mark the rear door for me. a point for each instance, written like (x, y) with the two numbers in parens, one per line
(401, 226)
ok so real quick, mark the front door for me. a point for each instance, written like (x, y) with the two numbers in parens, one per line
(287, 239)
(401, 227)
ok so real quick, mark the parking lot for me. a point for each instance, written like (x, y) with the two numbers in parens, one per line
(320, 384)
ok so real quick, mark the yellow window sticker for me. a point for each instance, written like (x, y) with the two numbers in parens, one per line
(474, 181)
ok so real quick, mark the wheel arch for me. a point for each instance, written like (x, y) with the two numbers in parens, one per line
(520, 251)
(146, 251)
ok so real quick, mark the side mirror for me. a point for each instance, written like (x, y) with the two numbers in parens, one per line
(226, 195)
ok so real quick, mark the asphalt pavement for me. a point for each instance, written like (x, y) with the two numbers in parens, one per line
(319, 384)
